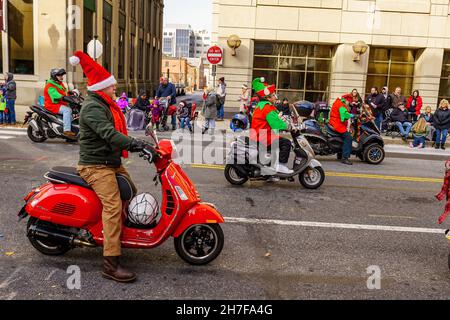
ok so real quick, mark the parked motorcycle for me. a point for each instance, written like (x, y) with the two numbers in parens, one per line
(325, 141)
(66, 213)
(245, 163)
(43, 124)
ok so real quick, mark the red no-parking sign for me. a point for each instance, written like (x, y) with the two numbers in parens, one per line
(214, 55)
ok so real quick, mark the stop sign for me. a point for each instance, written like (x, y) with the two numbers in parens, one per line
(214, 55)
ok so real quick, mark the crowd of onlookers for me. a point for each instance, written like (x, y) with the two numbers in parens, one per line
(410, 117)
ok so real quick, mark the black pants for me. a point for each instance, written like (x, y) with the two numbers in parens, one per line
(285, 150)
(284, 145)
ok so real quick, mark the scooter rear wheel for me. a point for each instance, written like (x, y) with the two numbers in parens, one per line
(46, 247)
(233, 176)
(200, 244)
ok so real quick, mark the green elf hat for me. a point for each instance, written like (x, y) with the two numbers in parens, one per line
(261, 88)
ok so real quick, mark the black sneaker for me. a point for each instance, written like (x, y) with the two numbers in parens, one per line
(437, 146)
(347, 162)
(443, 147)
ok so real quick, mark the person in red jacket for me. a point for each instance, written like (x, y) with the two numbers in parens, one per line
(414, 105)
(54, 93)
(266, 123)
(338, 121)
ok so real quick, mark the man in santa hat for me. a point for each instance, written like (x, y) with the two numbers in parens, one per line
(104, 141)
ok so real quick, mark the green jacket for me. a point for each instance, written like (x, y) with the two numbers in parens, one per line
(100, 143)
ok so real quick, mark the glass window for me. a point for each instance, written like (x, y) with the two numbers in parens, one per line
(444, 87)
(132, 53)
(107, 29)
(121, 73)
(300, 71)
(21, 36)
(392, 68)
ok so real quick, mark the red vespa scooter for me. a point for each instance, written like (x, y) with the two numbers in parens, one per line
(66, 213)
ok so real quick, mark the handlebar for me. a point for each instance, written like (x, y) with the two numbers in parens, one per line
(149, 153)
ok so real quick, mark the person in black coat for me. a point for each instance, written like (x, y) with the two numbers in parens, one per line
(142, 103)
(375, 101)
(441, 122)
(400, 116)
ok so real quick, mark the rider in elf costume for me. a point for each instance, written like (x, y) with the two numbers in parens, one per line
(266, 123)
(338, 121)
(54, 94)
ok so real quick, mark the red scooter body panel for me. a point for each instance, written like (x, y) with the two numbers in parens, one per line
(65, 204)
(201, 213)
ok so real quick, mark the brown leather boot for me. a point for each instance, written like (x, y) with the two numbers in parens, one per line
(114, 271)
(70, 134)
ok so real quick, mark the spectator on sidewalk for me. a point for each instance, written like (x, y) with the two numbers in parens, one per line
(397, 98)
(2, 108)
(209, 111)
(355, 102)
(428, 116)
(400, 116)
(420, 131)
(122, 102)
(284, 107)
(441, 121)
(222, 94)
(168, 90)
(184, 113)
(11, 96)
(375, 101)
(244, 99)
(414, 106)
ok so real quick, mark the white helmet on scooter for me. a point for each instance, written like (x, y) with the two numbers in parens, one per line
(143, 210)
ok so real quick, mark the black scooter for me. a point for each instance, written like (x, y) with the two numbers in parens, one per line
(43, 124)
(325, 141)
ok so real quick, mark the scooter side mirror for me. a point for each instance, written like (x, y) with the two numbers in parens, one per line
(150, 132)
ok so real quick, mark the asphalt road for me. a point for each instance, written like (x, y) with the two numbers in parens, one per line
(282, 241)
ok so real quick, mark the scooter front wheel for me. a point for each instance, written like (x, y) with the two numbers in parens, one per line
(200, 244)
(312, 178)
(35, 136)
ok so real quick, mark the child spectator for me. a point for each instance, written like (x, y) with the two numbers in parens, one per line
(156, 110)
(420, 131)
(184, 113)
(428, 116)
(122, 102)
(3, 119)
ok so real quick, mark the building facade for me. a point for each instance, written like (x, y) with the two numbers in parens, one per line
(40, 35)
(187, 72)
(179, 41)
(306, 47)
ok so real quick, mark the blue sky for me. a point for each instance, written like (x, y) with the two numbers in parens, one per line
(197, 13)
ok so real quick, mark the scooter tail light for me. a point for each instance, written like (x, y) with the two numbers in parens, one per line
(31, 194)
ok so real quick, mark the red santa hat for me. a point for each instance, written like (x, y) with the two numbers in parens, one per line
(98, 77)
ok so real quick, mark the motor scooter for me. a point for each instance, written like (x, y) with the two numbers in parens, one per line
(43, 124)
(66, 213)
(245, 162)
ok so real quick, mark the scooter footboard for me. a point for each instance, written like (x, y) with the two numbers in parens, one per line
(202, 213)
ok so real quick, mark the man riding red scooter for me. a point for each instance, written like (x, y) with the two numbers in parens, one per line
(98, 206)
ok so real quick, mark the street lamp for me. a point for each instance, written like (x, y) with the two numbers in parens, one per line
(360, 47)
(234, 42)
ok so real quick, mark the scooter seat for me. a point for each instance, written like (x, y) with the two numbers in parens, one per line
(69, 175)
(331, 132)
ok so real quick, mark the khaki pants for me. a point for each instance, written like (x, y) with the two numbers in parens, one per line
(104, 182)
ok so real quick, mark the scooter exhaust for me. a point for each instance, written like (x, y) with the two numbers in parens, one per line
(63, 237)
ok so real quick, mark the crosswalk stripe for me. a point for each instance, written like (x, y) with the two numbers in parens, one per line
(6, 137)
(12, 132)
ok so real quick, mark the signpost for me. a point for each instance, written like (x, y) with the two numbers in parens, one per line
(214, 56)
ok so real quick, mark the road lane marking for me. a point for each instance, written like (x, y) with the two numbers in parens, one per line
(10, 279)
(333, 225)
(345, 175)
(393, 217)
(6, 137)
(13, 132)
